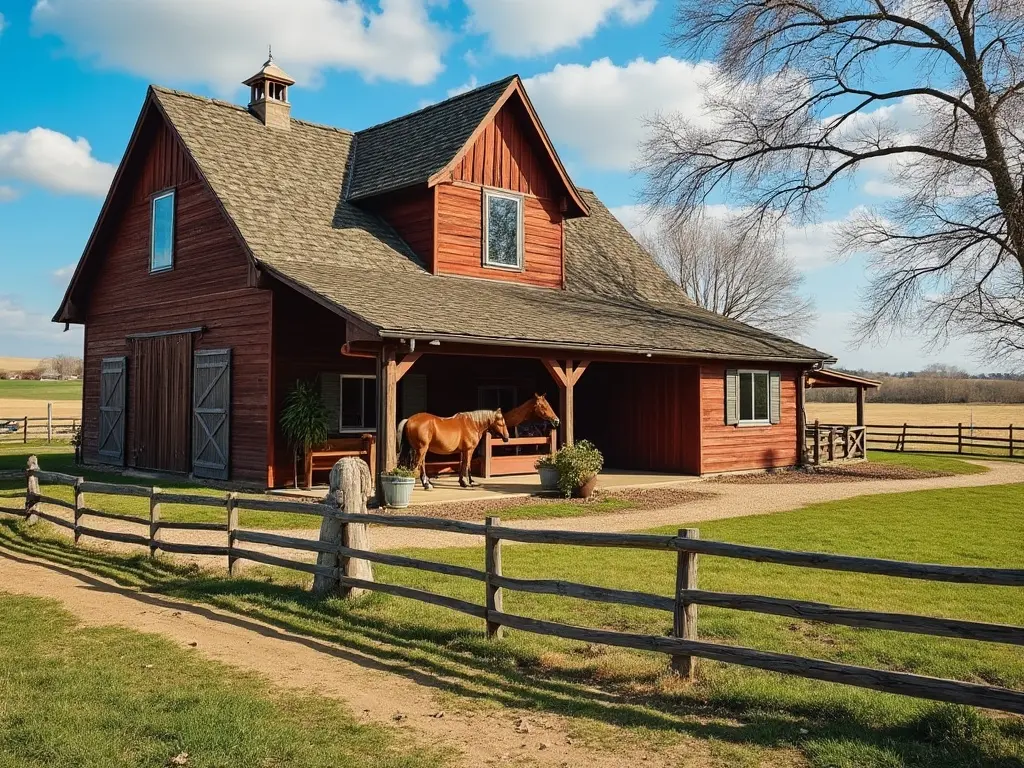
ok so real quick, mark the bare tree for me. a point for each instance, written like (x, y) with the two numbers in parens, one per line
(65, 366)
(809, 93)
(735, 272)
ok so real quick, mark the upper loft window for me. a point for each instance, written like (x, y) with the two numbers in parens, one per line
(503, 230)
(161, 236)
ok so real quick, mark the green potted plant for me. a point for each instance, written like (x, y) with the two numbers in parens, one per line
(303, 421)
(77, 441)
(397, 484)
(548, 471)
(578, 465)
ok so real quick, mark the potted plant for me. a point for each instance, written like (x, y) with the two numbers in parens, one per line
(397, 484)
(578, 465)
(548, 471)
(76, 441)
(303, 421)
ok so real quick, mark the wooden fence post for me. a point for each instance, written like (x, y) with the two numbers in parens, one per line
(492, 558)
(79, 504)
(960, 437)
(25, 431)
(903, 438)
(154, 521)
(31, 490)
(485, 456)
(232, 504)
(1011, 441)
(49, 422)
(817, 442)
(684, 620)
(831, 444)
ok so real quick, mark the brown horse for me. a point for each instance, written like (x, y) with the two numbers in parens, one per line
(536, 408)
(461, 433)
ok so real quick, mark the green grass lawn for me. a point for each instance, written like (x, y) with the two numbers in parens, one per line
(41, 390)
(747, 717)
(928, 462)
(109, 696)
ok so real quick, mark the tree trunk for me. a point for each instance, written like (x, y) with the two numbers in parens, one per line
(350, 487)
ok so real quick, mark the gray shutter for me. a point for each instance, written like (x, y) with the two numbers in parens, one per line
(732, 397)
(211, 413)
(774, 397)
(330, 396)
(113, 387)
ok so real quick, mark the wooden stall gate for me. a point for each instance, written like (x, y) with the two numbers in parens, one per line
(683, 645)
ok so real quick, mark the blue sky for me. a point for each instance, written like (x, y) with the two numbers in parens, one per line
(78, 71)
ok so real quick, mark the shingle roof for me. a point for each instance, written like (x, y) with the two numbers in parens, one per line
(283, 190)
(410, 149)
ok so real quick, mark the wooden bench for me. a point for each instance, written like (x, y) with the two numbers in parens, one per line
(324, 457)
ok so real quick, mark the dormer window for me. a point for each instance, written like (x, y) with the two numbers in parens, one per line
(161, 233)
(503, 230)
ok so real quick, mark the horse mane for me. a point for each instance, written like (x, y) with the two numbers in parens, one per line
(479, 416)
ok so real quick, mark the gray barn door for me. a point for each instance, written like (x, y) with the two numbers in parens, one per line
(112, 416)
(211, 413)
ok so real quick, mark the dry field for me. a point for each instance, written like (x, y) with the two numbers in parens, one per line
(12, 407)
(19, 363)
(980, 414)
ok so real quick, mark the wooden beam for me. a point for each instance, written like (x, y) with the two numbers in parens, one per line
(407, 362)
(579, 370)
(861, 392)
(387, 422)
(557, 372)
(801, 419)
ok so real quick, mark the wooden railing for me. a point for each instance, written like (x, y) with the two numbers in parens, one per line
(494, 460)
(834, 442)
(965, 440)
(21, 429)
(681, 644)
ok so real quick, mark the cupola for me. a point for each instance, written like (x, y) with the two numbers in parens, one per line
(268, 98)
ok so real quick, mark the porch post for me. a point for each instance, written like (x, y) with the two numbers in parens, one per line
(387, 408)
(801, 418)
(566, 379)
(861, 392)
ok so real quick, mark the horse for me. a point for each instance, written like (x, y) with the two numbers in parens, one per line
(536, 408)
(444, 435)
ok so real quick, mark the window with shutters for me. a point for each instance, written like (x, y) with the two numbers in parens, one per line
(358, 404)
(753, 397)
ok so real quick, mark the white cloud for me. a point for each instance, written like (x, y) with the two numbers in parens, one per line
(220, 43)
(598, 109)
(533, 27)
(62, 275)
(469, 85)
(53, 161)
(7, 194)
(28, 333)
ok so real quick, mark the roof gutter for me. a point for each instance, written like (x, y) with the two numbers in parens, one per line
(592, 348)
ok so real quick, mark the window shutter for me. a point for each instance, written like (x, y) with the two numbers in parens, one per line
(775, 397)
(330, 395)
(112, 398)
(211, 413)
(732, 397)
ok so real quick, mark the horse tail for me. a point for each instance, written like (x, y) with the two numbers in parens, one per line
(404, 448)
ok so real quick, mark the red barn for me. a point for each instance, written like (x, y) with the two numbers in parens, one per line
(442, 261)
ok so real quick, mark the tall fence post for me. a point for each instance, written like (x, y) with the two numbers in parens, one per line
(817, 442)
(1011, 441)
(232, 503)
(154, 520)
(49, 422)
(684, 619)
(31, 490)
(79, 505)
(960, 437)
(903, 438)
(831, 444)
(492, 558)
(24, 431)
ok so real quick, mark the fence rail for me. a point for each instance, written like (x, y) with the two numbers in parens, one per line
(682, 644)
(21, 429)
(961, 439)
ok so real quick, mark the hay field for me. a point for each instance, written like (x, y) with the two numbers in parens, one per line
(980, 414)
(19, 363)
(11, 408)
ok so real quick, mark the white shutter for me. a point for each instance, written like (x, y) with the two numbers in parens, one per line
(732, 397)
(775, 397)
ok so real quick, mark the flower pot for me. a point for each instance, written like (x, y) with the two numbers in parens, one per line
(586, 489)
(397, 490)
(548, 478)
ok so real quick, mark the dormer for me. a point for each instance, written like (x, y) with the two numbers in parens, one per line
(268, 95)
(474, 185)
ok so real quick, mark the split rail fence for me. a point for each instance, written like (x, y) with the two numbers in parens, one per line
(21, 429)
(961, 439)
(682, 644)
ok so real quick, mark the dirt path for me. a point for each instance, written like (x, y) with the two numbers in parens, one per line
(374, 689)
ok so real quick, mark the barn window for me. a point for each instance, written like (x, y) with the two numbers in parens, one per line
(358, 403)
(161, 236)
(503, 230)
(753, 397)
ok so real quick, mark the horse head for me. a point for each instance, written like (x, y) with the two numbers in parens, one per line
(498, 426)
(542, 411)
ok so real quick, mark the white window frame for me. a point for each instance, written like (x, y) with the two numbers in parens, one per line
(767, 420)
(520, 203)
(342, 429)
(152, 229)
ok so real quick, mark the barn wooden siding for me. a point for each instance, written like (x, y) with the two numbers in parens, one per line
(642, 416)
(411, 214)
(209, 286)
(728, 448)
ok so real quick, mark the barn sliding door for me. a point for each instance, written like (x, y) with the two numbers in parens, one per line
(160, 404)
(211, 413)
(112, 397)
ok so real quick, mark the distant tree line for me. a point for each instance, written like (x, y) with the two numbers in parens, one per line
(938, 383)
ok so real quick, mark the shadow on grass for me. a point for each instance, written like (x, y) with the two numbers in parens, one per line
(462, 662)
